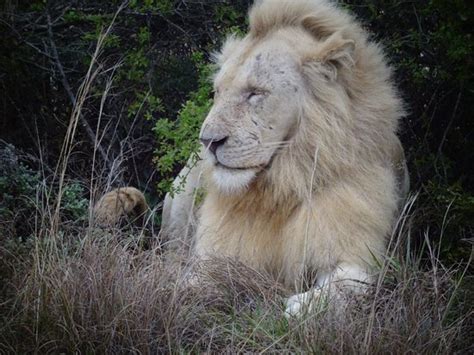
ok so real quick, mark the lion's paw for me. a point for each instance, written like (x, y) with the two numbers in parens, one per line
(302, 303)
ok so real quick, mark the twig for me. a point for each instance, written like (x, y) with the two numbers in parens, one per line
(448, 128)
(450, 123)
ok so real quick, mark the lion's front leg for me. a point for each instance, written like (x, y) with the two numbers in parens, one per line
(343, 279)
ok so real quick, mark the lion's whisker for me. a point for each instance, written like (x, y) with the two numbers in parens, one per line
(275, 144)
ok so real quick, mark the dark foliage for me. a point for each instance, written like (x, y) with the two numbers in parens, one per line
(46, 48)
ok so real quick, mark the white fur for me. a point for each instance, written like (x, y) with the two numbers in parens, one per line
(232, 181)
(345, 277)
(178, 218)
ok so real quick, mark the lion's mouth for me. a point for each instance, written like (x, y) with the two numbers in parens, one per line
(223, 166)
(218, 164)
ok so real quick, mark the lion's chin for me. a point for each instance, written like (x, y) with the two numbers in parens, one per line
(232, 181)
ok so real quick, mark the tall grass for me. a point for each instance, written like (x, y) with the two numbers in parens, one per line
(91, 290)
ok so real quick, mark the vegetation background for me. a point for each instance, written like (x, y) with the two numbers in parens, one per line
(100, 94)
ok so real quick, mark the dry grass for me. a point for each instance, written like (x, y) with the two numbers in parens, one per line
(99, 292)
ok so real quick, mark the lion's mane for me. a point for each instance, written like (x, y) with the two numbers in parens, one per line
(347, 130)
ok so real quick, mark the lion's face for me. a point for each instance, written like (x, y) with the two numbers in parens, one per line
(256, 108)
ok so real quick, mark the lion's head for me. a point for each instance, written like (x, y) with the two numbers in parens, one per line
(303, 97)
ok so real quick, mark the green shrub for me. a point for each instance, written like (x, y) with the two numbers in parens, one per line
(178, 140)
(18, 186)
(25, 197)
(75, 202)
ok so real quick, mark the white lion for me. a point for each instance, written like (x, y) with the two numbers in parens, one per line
(302, 167)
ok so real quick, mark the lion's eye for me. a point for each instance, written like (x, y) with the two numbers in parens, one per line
(253, 96)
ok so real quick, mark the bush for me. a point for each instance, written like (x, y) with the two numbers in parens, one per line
(178, 139)
(18, 187)
(25, 197)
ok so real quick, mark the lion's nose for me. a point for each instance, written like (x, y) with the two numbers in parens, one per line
(212, 144)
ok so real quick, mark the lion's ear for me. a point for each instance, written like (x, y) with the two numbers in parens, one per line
(338, 51)
(335, 52)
